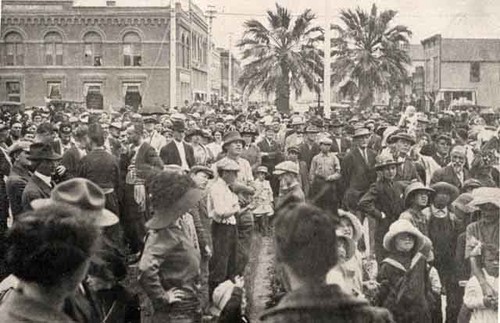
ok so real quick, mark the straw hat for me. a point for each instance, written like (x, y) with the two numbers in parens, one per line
(462, 203)
(485, 195)
(83, 194)
(402, 226)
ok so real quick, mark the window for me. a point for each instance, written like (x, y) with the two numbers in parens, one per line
(132, 49)
(475, 72)
(133, 96)
(435, 69)
(93, 96)
(54, 90)
(13, 91)
(93, 49)
(53, 49)
(14, 49)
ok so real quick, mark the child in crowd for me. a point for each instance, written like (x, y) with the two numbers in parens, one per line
(403, 275)
(484, 308)
(443, 232)
(263, 200)
(227, 301)
(416, 199)
(342, 275)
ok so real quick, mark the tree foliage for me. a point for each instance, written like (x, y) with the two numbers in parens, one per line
(369, 52)
(283, 56)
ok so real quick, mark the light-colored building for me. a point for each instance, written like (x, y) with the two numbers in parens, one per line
(462, 69)
(58, 49)
(235, 74)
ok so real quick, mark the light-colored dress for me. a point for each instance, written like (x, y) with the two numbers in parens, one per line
(263, 198)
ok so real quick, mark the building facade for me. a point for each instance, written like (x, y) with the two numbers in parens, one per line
(57, 50)
(462, 69)
(235, 75)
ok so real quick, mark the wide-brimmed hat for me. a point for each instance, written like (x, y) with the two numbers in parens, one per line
(462, 203)
(262, 169)
(485, 195)
(446, 188)
(194, 132)
(228, 164)
(401, 136)
(41, 151)
(356, 224)
(83, 194)
(361, 132)
(414, 187)
(402, 226)
(286, 167)
(230, 137)
(350, 246)
(200, 168)
(384, 160)
(311, 129)
(182, 205)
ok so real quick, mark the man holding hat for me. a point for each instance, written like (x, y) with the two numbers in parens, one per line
(178, 152)
(455, 173)
(44, 161)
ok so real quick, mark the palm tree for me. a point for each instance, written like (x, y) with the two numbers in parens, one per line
(283, 57)
(368, 53)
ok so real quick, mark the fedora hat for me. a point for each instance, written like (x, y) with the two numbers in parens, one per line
(83, 194)
(286, 167)
(446, 188)
(414, 187)
(185, 203)
(402, 226)
(384, 160)
(178, 126)
(41, 151)
(194, 132)
(311, 129)
(230, 137)
(361, 132)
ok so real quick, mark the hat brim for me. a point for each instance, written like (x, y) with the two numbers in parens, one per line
(366, 134)
(279, 172)
(393, 139)
(181, 206)
(51, 157)
(233, 140)
(390, 235)
(380, 166)
(103, 218)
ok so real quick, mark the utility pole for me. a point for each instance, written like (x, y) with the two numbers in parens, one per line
(173, 59)
(327, 62)
(230, 70)
(210, 15)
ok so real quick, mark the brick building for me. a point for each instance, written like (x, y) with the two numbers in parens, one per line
(117, 55)
(462, 68)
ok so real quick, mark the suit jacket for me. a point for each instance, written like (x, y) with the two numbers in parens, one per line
(447, 174)
(16, 182)
(273, 150)
(307, 153)
(345, 145)
(169, 154)
(71, 160)
(407, 171)
(35, 189)
(100, 167)
(357, 175)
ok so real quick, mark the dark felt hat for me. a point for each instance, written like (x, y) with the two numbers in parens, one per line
(41, 151)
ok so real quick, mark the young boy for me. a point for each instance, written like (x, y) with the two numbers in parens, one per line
(263, 200)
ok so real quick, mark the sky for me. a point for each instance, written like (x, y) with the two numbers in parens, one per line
(450, 18)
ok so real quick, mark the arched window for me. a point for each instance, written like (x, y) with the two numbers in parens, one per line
(92, 49)
(53, 48)
(132, 49)
(14, 49)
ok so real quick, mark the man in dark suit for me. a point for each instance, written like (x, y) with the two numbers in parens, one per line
(408, 170)
(45, 162)
(19, 175)
(340, 143)
(309, 148)
(71, 157)
(178, 152)
(270, 151)
(442, 153)
(136, 164)
(358, 169)
(455, 173)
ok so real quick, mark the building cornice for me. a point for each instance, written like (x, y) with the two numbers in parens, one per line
(69, 19)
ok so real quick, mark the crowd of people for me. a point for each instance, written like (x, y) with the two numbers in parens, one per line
(377, 215)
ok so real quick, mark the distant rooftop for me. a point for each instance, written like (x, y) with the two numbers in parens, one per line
(416, 52)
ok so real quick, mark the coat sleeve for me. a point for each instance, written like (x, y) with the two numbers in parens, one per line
(367, 202)
(158, 244)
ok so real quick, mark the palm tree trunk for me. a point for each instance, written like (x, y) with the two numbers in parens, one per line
(283, 91)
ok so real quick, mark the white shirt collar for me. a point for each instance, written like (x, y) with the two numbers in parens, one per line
(46, 179)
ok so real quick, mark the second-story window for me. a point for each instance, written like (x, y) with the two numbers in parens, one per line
(132, 49)
(53, 49)
(93, 49)
(14, 49)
